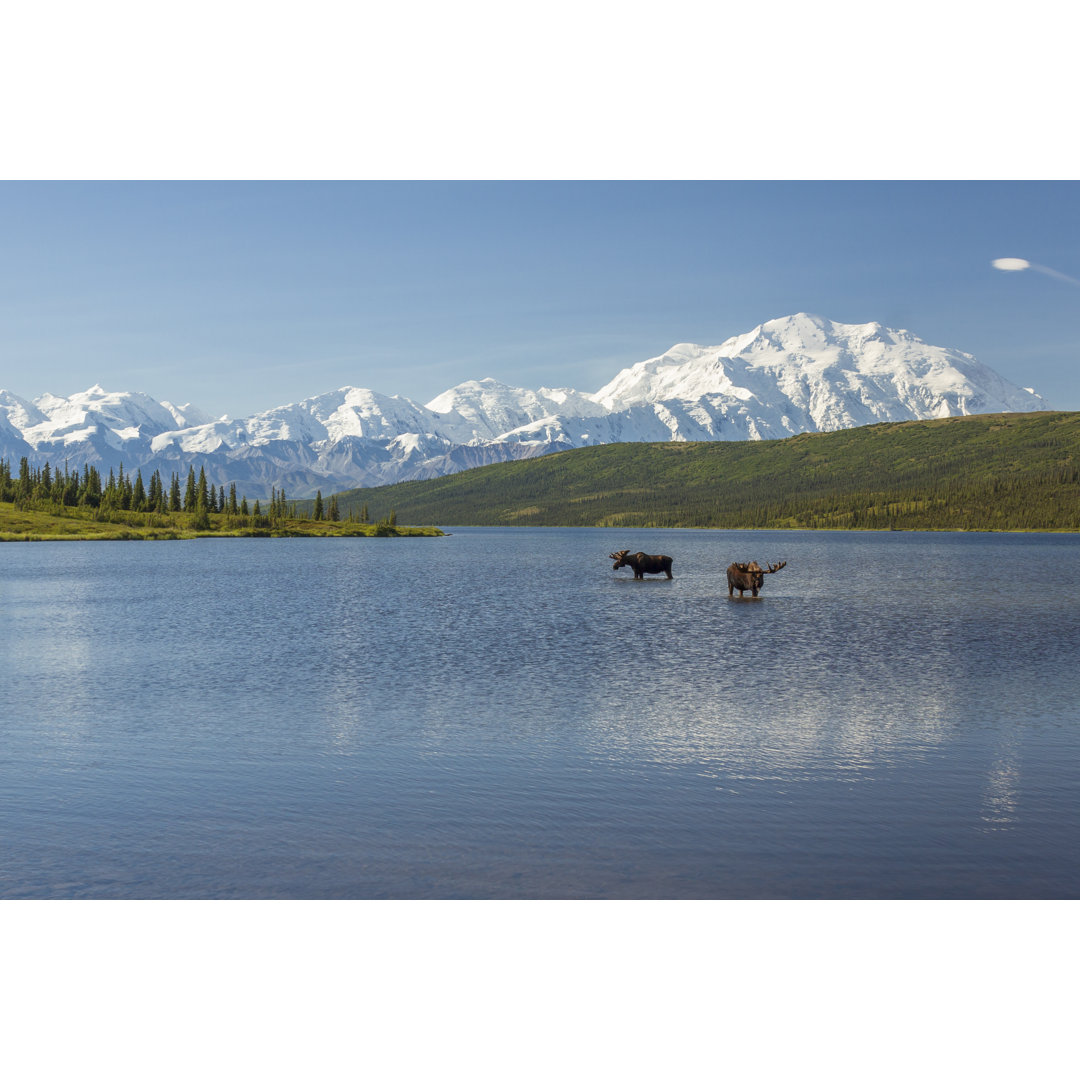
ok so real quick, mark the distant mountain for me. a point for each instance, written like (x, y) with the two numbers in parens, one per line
(796, 374)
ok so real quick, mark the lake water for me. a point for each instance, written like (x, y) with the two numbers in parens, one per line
(498, 714)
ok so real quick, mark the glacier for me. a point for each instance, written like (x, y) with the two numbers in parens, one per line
(787, 376)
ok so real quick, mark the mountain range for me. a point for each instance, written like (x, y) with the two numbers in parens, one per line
(790, 375)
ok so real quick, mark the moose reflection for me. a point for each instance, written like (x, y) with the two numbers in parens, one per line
(641, 563)
(742, 576)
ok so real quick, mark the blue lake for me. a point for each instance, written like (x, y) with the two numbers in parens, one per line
(498, 714)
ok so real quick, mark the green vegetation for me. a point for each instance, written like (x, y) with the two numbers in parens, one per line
(1012, 471)
(43, 504)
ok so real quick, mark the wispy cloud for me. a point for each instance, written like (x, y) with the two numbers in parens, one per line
(1013, 265)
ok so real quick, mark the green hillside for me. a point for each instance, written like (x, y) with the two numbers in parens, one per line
(1012, 471)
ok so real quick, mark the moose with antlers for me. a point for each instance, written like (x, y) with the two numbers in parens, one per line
(742, 576)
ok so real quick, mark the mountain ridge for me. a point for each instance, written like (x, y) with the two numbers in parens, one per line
(993, 471)
(799, 373)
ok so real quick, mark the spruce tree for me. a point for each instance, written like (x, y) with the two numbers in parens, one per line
(138, 492)
(189, 494)
(317, 511)
(174, 493)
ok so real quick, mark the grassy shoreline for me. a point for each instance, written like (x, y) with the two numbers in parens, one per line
(18, 524)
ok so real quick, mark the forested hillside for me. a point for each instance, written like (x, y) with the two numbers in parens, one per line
(1007, 471)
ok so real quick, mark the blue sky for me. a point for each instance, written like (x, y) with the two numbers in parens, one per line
(239, 296)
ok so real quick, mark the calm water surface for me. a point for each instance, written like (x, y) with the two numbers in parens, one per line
(498, 714)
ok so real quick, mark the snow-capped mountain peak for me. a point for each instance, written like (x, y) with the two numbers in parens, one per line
(788, 375)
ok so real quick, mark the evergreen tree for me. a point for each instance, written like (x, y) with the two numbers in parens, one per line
(244, 507)
(138, 492)
(189, 494)
(90, 488)
(123, 488)
(110, 497)
(317, 511)
(333, 514)
(201, 490)
(233, 508)
(69, 493)
(174, 493)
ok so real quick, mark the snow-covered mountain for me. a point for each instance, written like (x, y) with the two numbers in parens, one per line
(795, 374)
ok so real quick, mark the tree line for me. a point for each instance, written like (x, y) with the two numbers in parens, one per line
(43, 487)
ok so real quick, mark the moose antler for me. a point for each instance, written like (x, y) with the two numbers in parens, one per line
(619, 554)
(779, 566)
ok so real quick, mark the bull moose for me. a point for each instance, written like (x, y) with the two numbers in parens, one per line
(642, 564)
(742, 576)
